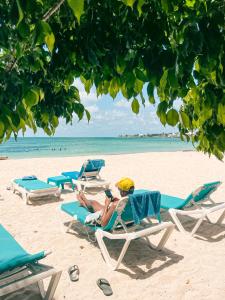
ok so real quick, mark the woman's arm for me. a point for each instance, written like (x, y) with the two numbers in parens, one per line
(107, 212)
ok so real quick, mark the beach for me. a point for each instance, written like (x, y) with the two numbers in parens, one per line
(187, 268)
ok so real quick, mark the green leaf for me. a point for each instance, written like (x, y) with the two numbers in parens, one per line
(88, 115)
(190, 3)
(45, 117)
(113, 88)
(135, 106)
(41, 94)
(31, 98)
(150, 91)
(50, 41)
(140, 75)
(129, 2)
(45, 35)
(79, 110)
(185, 119)
(23, 29)
(221, 143)
(77, 7)
(15, 121)
(165, 5)
(47, 131)
(138, 86)
(161, 112)
(221, 113)
(2, 128)
(139, 6)
(142, 99)
(172, 117)
(20, 11)
(163, 80)
(87, 84)
(121, 65)
(151, 100)
(55, 121)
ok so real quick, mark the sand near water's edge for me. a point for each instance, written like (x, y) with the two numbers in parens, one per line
(187, 269)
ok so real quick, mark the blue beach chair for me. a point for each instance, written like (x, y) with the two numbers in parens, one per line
(34, 188)
(19, 269)
(192, 206)
(117, 228)
(88, 176)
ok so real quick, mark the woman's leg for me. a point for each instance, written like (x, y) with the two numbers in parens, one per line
(94, 205)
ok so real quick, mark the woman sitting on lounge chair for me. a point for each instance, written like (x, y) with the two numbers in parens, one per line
(125, 187)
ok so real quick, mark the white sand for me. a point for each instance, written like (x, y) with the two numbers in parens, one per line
(189, 268)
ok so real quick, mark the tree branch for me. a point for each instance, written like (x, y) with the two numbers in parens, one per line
(52, 10)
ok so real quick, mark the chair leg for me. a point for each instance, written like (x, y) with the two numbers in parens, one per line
(52, 286)
(70, 225)
(165, 237)
(221, 218)
(105, 252)
(199, 222)
(207, 218)
(41, 288)
(176, 220)
(122, 253)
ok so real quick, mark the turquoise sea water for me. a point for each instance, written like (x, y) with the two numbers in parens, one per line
(64, 146)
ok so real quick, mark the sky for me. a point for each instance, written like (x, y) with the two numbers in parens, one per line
(109, 118)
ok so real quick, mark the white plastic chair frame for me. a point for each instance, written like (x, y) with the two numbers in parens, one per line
(128, 234)
(28, 195)
(200, 212)
(33, 273)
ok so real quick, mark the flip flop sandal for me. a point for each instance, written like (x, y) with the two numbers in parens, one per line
(74, 273)
(104, 285)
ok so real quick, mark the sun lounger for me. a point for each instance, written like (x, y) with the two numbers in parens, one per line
(117, 228)
(192, 206)
(18, 269)
(31, 189)
(88, 176)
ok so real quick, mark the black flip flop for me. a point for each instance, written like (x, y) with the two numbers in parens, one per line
(74, 273)
(104, 285)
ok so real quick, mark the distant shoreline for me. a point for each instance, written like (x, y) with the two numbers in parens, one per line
(147, 135)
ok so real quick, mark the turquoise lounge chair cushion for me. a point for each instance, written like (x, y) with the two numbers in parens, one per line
(168, 202)
(74, 209)
(12, 255)
(33, 184)
(73, 174)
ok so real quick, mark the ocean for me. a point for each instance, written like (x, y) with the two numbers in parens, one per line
(66, 146)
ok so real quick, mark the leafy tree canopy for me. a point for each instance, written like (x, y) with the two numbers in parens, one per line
(175, 47)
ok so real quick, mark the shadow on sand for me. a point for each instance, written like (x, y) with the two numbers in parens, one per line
(138, 258)
(210, 232)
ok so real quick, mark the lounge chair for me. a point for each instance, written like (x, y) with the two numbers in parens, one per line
(117, 228)
(88, 176)
(18, 269)
(35, 188)
(177, 206)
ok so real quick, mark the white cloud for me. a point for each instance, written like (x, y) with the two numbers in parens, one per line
(92, 109)
(123, 103)
(87, 99)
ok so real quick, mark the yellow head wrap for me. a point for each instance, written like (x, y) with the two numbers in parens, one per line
(125, 183)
